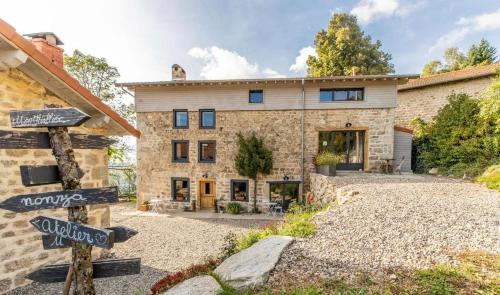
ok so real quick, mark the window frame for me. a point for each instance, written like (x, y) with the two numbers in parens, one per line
(232, 189)
(175, 111)
(255, 91)
(174, 141)
(200, 142)
(362, 89)
(172, 188)
(200, 117)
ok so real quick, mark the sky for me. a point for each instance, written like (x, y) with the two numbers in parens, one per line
(222, 39)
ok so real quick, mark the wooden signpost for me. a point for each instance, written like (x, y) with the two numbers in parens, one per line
(75, 232)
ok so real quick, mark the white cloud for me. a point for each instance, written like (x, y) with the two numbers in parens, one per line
(368, 10)
(466, 26)
(224, 64)
(300, 64)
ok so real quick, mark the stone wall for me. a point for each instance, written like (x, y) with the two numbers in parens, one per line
(425, 102)
(21, 248)
(281, 133)
(323, 188)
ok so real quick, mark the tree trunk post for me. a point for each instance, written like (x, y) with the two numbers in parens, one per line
(71, 173)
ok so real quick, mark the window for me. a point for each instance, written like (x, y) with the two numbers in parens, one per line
(180, 151)
(180, 189)
(207, 119)
(239, 190)
(181, 119)
(348, 143)
(284, 192)
(326, 95)
(256, 96)
(206, 151)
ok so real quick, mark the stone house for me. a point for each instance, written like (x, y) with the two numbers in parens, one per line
(189, 133)
(423, 97)
(31, 76)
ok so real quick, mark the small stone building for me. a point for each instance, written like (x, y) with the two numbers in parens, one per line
(189, 133)
(424, 97)
(31, 76)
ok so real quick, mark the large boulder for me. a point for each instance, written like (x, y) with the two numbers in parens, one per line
(251, 267)
(201, 285)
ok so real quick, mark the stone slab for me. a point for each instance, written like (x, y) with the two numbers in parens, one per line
(251, 267)
(201, 285)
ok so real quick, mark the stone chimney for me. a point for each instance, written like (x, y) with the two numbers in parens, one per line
(48, 44)
(178, 72)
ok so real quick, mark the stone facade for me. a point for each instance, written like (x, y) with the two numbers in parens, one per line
(21, 248)
(281, 131)
(323, 188)
(425, 102)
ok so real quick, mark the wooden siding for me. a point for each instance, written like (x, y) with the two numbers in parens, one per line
(282, 97)
(402, 147)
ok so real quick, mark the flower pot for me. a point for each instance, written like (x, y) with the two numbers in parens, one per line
(327, 170)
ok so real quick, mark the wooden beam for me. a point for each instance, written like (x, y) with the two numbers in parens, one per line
(102, 269)
(40, 140)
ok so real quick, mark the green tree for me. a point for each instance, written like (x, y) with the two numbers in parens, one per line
(481, 54)
(253, 158)
(99, 77)
(432, 68)
(343, 46)
(454, 59)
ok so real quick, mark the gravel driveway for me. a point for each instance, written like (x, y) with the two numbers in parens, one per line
(392, 223)
(166, 243)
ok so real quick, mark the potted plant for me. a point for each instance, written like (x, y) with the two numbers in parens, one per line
(144, 206)
(240, 196)
(179, 197)
(326, 163)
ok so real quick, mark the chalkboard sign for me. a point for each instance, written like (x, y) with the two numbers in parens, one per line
(78, 232)
(53, 117)
(122, 234)
(102, 269)
(61, 199)
(40, 140)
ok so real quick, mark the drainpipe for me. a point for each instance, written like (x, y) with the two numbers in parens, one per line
(302, 139)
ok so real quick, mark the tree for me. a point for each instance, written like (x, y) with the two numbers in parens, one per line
(455, 60)
(253, 158)
(99, 77)
(432, 68)
(481, 54)
(343, 46)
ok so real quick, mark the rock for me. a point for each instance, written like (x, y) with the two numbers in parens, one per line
(433, 171)
(251, 267)
(201, 285)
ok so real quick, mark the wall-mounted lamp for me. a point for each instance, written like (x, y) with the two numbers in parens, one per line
(205, 175)
(348, 125)
(286, 178)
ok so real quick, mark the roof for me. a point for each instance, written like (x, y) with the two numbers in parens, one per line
(465, 74)
(41, 66)
(397, 78)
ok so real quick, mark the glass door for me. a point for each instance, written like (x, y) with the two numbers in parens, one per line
(347, 143)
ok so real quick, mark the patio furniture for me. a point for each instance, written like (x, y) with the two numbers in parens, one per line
(220, 208)
(274, 208)
(154, 205)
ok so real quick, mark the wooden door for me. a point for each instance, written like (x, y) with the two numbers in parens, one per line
(207, 193)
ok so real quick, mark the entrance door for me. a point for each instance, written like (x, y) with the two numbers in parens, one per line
(207, 193)
(347, 143)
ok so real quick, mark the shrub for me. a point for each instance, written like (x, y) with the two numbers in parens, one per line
(491, 177)
(229, 246)
(233, 207)
(328, 158)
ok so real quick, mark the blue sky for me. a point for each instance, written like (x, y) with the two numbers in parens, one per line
(241, 39)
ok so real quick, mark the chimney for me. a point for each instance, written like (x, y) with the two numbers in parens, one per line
(48, 44)
(354, 71)
(178, 72)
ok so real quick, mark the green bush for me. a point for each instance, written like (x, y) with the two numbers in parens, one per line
(328, 158)
(233, 207)
(491, 177)
(463, 138)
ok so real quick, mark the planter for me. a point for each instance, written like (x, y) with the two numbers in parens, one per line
(327, 170)
(239, 198)
(144, 207)
(179, 198)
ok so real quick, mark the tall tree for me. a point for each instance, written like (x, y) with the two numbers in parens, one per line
(481, 54)
(432, 68)
(253, 158)
(454, 59)
(99, 77)
(343, 46)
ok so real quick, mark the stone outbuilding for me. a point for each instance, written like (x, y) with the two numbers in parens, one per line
(32, 76)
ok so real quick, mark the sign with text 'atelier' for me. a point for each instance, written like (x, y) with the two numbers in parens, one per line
(122, 234)
(78, 232)
(61, 199)
(53, 117)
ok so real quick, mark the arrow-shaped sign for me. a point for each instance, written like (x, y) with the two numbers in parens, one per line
(61, 199)
(122, 234)
(102, 269)
(53, 117)
(78, 232)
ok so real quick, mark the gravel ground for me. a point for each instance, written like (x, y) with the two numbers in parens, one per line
(165, 244)
(393, 223)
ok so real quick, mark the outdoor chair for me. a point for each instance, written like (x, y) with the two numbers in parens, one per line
(155, 205)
